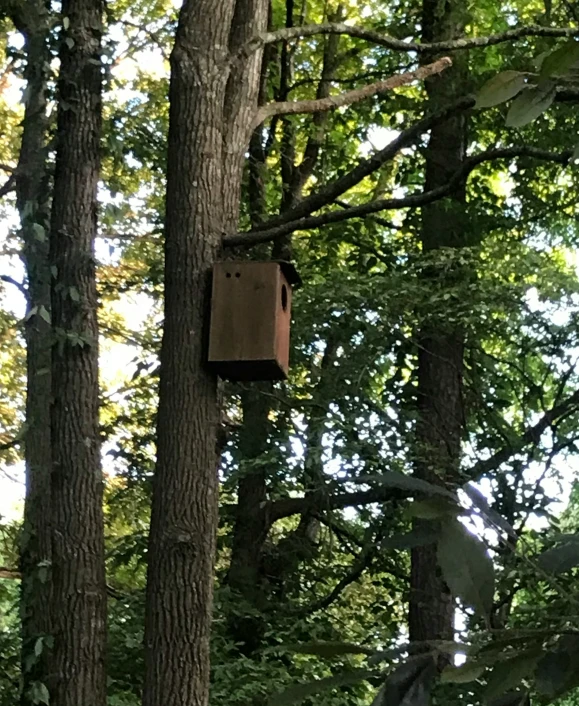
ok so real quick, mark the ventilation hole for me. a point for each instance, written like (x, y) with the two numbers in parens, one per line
(228, 275)
(238, 275)
(284, 297)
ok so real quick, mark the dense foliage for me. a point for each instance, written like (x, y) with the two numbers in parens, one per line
(331, 595)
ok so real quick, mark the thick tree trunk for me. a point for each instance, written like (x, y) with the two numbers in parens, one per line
(79, 600)
(440, 358)
(209, 114)
(32, 195)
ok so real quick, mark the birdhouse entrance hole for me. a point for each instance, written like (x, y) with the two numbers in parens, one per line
(250, 319)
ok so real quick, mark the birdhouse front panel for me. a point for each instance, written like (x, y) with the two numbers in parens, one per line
(250, 321)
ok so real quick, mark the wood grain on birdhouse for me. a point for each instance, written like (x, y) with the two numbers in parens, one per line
(250, 320)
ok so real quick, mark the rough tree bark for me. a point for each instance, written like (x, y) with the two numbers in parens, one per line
(32, 201)
(79, 590)
(440, 355)
(210, 109)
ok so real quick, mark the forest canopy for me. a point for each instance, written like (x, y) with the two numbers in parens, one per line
(397, 522)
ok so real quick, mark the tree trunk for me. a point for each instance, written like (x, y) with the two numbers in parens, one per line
(32, 196)
(252, 525)
(440, 358)
(78, 551)
(209, 114)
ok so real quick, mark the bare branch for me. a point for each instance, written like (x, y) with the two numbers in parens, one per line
(349, 97)
(413, 201)
(7, 445)
(19, 285)
(389, 42)
(9, 185)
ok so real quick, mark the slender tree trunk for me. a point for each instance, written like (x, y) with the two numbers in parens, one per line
(79, 600)
(440, 358)
(209, 114)
(252, 524)
(32, 196)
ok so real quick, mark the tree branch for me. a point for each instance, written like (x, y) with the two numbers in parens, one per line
(322, 500)
(360, 564)
(349, 97)
(19, 285)
(413, 201)
(7, 445)
(9, 185)
(531, 435)
(335, 189)
(384, 40)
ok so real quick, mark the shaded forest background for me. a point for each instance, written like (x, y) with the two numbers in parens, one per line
(433, 355)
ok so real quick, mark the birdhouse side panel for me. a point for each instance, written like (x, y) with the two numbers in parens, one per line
(283, 320)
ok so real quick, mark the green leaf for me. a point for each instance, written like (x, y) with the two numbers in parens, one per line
(401, 481)
(513, 698)
(465, 673)
(492, 516)
(39, 232)
(501, 88)
(560, 559)
(530, 104)
(324, 649)
(418, 537)
(39, 693)
(74, 294)
(509, 673)
(66, 22)
(299, 692)
(69, 42)
(557, 672)
(558, 62)
(466, 567)
(409, 684)
(44, 313)
(38, 646)
(433, 509)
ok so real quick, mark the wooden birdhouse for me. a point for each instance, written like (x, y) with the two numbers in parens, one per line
(250, 319)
